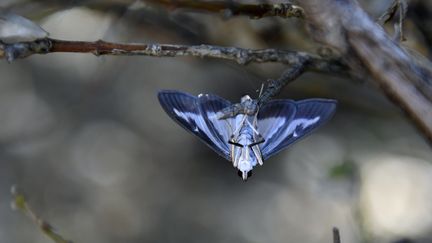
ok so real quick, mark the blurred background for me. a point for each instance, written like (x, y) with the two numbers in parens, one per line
(86, 140)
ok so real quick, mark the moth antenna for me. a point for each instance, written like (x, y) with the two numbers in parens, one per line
(261, 90)
(256, 116)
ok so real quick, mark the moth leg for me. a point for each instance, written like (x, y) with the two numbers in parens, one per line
(231, 139)
(258, 155)
(233, 147)
(232, 154)
(235, 162)
(259, 139)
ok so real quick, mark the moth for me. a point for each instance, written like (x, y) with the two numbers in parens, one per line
(246, 140)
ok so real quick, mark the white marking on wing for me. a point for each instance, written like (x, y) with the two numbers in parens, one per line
(185, 115)
(267, 128)
(291, 129)
(200, 126)
(224, 127)
(188, 116)
(303, 122)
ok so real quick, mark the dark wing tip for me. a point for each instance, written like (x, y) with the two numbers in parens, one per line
(164, 93)
(326, 107)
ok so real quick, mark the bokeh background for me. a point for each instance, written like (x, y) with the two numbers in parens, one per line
(86, 140)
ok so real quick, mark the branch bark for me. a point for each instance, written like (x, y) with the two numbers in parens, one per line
(366, 48)
(239, 55)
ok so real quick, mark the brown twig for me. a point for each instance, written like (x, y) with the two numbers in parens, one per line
(228, 9)
(239, 55)
(20, 203)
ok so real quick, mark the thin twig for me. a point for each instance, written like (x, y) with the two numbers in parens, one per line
(20, 203)
(388, 13)
(275, 86)
(272, 89)
(239, 55)
(400, 7)
(336, 235)
(228, 9)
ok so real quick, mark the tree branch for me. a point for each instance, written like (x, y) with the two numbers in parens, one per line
(228, 9)
(239, 55)
(366, 48)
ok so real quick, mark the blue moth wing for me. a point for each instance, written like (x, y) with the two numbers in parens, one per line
(210, 105)
(189, 112)
(273, 118)
(284, 122)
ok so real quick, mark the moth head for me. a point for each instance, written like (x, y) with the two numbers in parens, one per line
(245, 98)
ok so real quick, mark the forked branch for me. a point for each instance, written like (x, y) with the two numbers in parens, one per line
(364, 45)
